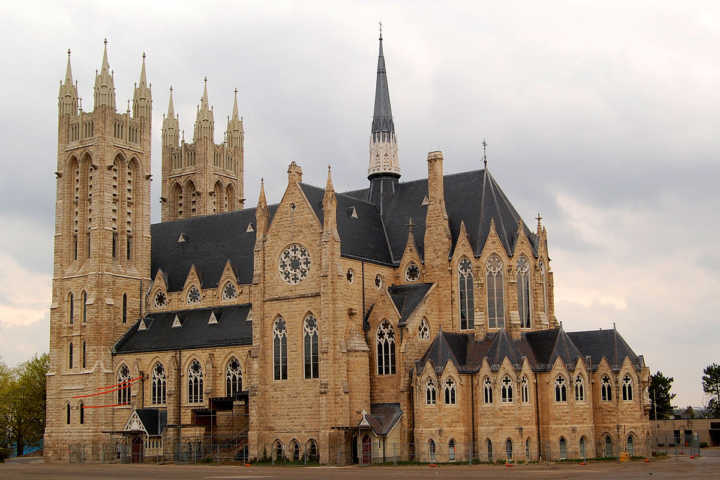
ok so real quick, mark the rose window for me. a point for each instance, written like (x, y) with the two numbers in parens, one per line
(412, 272)
(160, 299)
(229, 291)
(193, 295)
(294, 264)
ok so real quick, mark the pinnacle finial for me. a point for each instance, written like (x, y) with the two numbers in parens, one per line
(329, 184)
(171, 104)
(68, 70)
(235, 106)
(539, 219)
(484, 145)
(380, 24)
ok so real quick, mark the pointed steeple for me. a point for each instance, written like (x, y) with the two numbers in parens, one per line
(235, 107)
(104, 84)
(171, 105)
(384, 163)
(68, 97)
(329, 203)
(205, 119)
(234, 132)
(170, 124)
(262, 215)
(142, 98)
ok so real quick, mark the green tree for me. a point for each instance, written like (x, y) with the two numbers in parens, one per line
(711, 386)
(660, 396)
(22, 402)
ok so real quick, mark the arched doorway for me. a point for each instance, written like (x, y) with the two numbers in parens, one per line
(366, 450)
(137, 449)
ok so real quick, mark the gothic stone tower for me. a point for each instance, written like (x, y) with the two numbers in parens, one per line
(201, 178)
(101, 255)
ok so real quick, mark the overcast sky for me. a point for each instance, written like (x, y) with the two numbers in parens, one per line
(600, 115)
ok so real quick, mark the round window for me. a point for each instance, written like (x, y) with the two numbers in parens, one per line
(294, 264)
(412, 272)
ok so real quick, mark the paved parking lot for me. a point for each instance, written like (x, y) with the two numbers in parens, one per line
(707, 466)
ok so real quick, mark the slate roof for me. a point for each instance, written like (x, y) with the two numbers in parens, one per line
(383, 417)
(541, 348)
(232, 328)
(473, 197)
(209, 242)
(154, 420)
(407, 297)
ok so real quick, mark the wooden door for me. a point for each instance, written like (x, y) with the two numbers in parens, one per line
(137, 449)
(366, 450)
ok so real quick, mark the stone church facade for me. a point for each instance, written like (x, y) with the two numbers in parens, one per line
(409, 320)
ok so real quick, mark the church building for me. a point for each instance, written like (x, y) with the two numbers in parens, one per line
(399, 321)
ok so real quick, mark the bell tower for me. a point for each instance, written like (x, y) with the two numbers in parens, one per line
(101, 253)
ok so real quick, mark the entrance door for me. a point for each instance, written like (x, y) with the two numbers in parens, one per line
(354, 442)
(137, 449)
(366, 450)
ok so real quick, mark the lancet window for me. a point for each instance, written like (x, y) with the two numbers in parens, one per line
(159, 384)
(424, 330)
(467, 299)
(605, 389)
(124, 387)
(487, 388)
(579, 388)
(507, 389)
(495, 289)
(450, 391)
(195, 382)
(385, 349)
(627, 388)
(233, 378)
(560, 389)
(310, 340)
(280, 349)
(430, 392)
(523, 291)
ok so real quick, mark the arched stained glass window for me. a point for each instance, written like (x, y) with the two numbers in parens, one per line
(195, 382)
(70, 355)
(523, 291)
(84, 307)
(310, 340)
(543, 275)
(524, 390)
(560, 389)
(507, 390)
(280, 349)
(124, 388)
(386, 348)
(450, 391)
(487, 388)
(430, 392)
(627, 388)
(71, 308)
(606, 389)
(159, 384)
(495, 289)
(467, 299)
(233, 378)
(579, 389)
(424, 329)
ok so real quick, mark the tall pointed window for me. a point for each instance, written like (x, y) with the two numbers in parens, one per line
(430, 392)
(84, 354)
(70, 355)
(495, 289)
(487, 388)
(159, 384)
(605, 389)
(280, 349)
(385, 349)
(71, 308)
(124, 308)
(84, 307)
(424, 329)
(467, 299)
(507, 389)
(524, 389)
(310, 340)
(233, 378)
(627, 388)
(523, 291)
(81, 407)
(124, 389)
(560, 389)
(579, 389)
(67, 413)
(195, 382)
(450, 391)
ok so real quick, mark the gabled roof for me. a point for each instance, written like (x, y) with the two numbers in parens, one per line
(407, 297)
(473, 197)
(541, 349)
(232, 328)
(383, 417)
(154, 420)
(210, 241)
(605, 343)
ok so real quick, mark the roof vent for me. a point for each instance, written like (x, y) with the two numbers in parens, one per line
(249, 316)
(250, 228)
(182, 238)
(213, 319)
(176, 322)
(425, 202)
(142, 325)
(352, 212)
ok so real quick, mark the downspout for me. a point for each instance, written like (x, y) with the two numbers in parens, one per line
(537, 416)
(362, 268)
(178, 390)
(472, 415)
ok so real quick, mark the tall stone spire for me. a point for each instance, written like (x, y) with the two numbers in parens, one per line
(234, 134)
(170, 124)
(205, 119)
(68, 97)
(142, 98)
(105, 84)
(383, 143)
